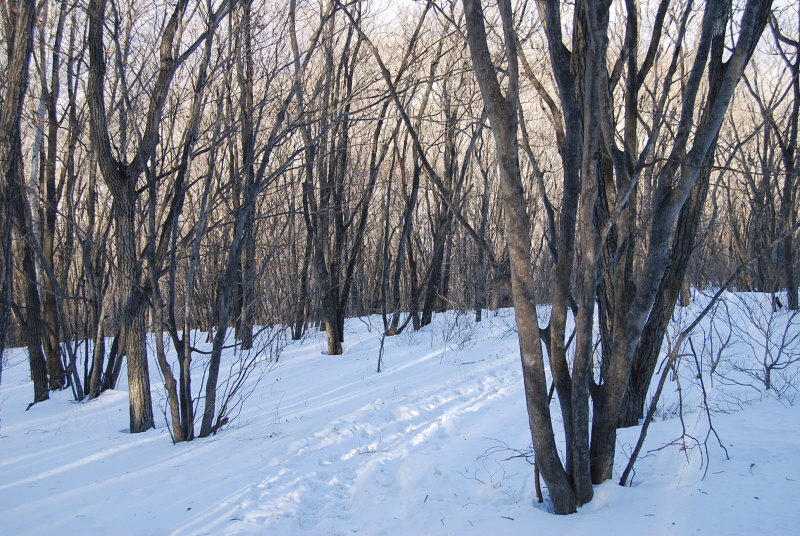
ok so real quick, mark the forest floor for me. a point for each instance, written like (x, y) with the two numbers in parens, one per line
(437, 443)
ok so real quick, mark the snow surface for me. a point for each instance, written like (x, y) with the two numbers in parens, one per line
(434, 444)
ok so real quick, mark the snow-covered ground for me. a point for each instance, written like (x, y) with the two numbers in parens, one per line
(434, 444)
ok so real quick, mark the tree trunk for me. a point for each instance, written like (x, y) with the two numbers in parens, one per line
(18, 47)
(436, 267)
(480, 271)
(134, 311)
(403, 244)
(299, 320)
(121, 179)
(503, 116)
(30, 318)
(51, 199)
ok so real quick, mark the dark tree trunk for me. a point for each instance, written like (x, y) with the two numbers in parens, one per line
(503, 116)
(52, 197)
(649, 348)
(436, 267)
(402, 246)
(134, 312)
(480, 271)
(121, 179)
(30, 316)
(677, 179)
(789, 150)
(674, 273)
(18, 51)
(246, 272)
(299, 320)
(94, 265)
(413, 291)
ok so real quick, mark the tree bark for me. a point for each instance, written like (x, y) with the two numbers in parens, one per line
(18, 51)
(30, 319)
(52, 196)
(503, 116)
(121, 179)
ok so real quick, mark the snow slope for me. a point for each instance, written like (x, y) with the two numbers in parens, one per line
(434, 444)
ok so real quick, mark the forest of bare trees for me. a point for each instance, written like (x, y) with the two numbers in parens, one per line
(246, 168)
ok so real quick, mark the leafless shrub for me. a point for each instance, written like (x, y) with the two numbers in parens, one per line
(768, 345)
(454, 332)
(246, 372)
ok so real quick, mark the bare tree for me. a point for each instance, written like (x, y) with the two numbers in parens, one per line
(17, 21)
(51, 195)
(121, 176)
(502, 111)
(29, 313)
(162, 247)
(338, 227)
(590, 152)
(779, 106)
(264, 174)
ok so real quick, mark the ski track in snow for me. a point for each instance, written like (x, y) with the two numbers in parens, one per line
(361, 455)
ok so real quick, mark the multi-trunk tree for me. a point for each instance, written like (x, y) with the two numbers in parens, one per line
(122, 170)
(599, 235)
